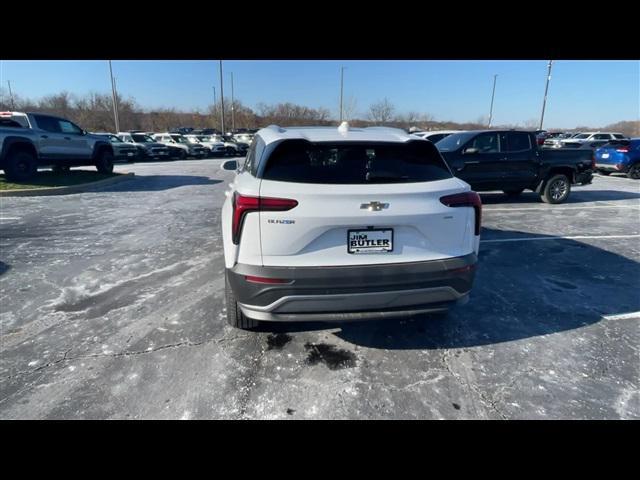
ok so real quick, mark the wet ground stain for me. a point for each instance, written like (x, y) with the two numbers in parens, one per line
(277, 341)
(334, 358)
(290, 411)
(456, 406)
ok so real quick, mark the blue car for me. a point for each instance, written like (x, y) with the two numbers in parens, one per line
(620, 157)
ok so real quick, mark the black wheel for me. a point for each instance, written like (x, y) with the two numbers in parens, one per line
(104, 164)
(60, 168)
(634, 172)
(20, 166)
(513, 193)
(556, 190)
(235, 317)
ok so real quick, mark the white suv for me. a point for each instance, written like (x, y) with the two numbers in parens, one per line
(324, 223)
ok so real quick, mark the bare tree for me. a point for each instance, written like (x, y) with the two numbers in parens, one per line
(349, 108)
(381, 112)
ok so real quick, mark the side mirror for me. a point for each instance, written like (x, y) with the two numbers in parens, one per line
(84, 132)
(230, 165)
(470, 151)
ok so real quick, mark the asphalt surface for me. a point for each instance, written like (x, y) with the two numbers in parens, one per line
(112, 306)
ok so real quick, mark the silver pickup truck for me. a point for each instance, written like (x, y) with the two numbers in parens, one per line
(32, 140)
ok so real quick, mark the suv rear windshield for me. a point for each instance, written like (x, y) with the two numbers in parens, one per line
(355, 163)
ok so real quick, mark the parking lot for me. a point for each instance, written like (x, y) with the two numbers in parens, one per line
(112, 306)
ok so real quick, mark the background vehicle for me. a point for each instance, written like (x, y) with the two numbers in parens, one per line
(147, 147)
(590, 139)
(30, 140)
(121, 150)
(556, 140)
(334, 224)
(511, 161)
(243, 137)
(215, 148)
(436, 135)
(233, 148)
(622, 156)
(181, 144)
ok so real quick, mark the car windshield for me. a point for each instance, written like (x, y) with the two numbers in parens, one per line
(179, 139)
(142, 138)
(355, 163)
(582, 135)
(454, 141)
(114, 139)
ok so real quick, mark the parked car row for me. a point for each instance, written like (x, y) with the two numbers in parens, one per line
(586, 140)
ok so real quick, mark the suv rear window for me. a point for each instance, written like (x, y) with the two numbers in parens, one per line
(355, 163)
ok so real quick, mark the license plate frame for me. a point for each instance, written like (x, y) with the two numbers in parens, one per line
(369, 250)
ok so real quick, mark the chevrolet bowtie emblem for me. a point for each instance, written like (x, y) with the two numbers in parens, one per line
(373, 206)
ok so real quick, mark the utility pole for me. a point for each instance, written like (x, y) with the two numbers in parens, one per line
(495, 77)
(233, 115)
(221, 101)
(115, 98)
(11, 96)
(546, 89)
(341, 90)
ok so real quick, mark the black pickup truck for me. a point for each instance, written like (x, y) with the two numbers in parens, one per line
(512, 161)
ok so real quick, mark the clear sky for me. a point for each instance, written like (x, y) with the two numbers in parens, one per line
(591, 93)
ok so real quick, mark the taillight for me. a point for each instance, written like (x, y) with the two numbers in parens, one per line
(623, 150)
(466, 199)
(243, 204)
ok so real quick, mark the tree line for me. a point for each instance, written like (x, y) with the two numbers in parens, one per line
(94, 112)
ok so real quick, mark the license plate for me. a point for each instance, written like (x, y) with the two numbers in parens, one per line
(605, 155)
(370, 241)
(129, 154)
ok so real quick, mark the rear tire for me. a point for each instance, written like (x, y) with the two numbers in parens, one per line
(513, 193)
(20, 166)
(556, 189)
(634, 172)
(235, 317)
(104, 164)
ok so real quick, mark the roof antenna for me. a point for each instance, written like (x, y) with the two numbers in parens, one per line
(343, 128)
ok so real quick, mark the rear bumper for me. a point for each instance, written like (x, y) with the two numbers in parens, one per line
(611, 167)
(353, 292)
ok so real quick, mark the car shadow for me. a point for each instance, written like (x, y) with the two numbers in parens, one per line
(522, 290)
(154, 183)
(576, 196)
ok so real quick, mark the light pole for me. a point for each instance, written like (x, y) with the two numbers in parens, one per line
(115, 98)
(221, 101)
(341, 90)
(546, 89)
(215, 102)
(233, 114)
(493, 94)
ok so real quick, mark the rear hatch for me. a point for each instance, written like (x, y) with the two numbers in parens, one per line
(358, 204)
(612, 153)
